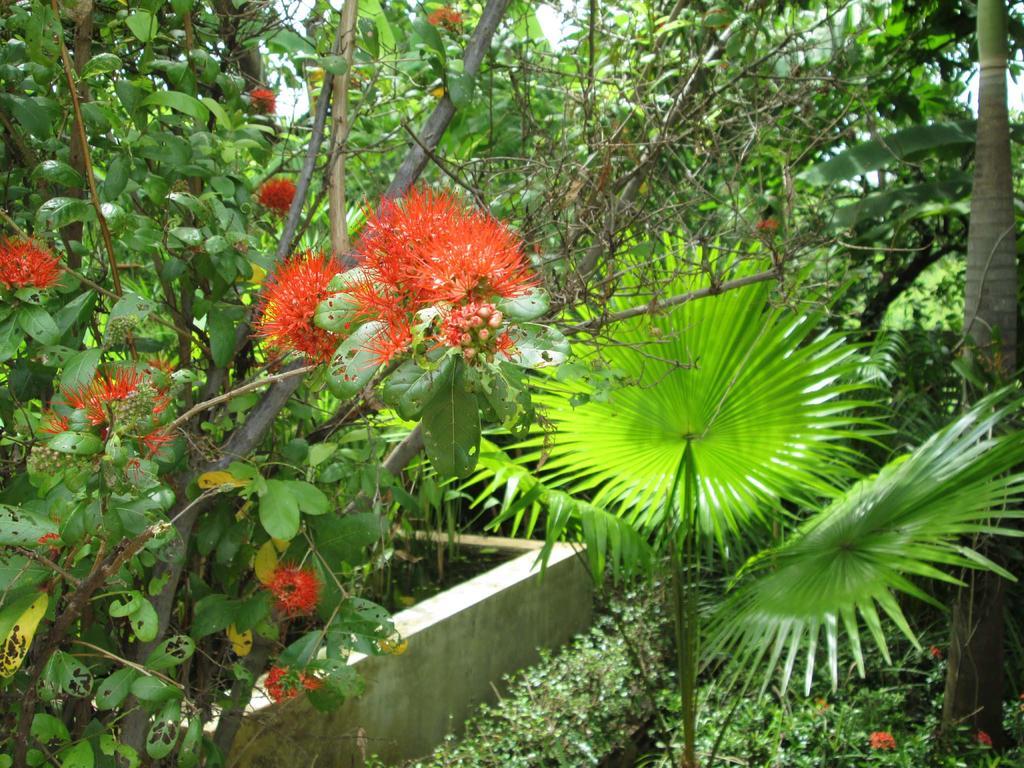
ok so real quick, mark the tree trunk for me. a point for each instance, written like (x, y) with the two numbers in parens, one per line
(974, 677)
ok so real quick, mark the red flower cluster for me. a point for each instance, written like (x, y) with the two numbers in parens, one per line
(767, 225)
(105, 390)
(983, 738)
(446, 17)
(283, 685)
(263, 100)
(935, 652)
(882, 740)
(276, 195)
(297, 590)
(127, 391)
(289, 303)
(46, 538)
(473, 328)
(430, 251)
(24, 263)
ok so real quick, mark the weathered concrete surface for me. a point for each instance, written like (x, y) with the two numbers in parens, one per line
(460, 644)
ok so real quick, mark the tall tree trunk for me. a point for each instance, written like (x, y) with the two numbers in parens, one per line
(974, 677)
(337, 205)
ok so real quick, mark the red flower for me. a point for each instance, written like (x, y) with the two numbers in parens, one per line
(297, 590)
(882, 740)
(106, 389)
(263, 100)
(767, 225)
(446, 17)
(289, 303)
(983, 738)
(24, 263)
(277, 195)
(430, 247)
(935, 652)
(429, 250)
(156, 440)
(283, 685)
(47, 538)
(55, 424)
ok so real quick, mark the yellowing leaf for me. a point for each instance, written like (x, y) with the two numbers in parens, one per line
(241, 642)
(407, 600)
(394, 646)
(218, 478)
(281, 544)
(258, 274)
(16, 644)
(243, 510)
(438, 92)
(265, 562)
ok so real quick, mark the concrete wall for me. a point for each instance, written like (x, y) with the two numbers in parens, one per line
(460, 644)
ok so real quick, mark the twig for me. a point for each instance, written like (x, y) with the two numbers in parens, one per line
(207, 404)
(90, 178)
(449, 172)
(42, 560)
(672, 301)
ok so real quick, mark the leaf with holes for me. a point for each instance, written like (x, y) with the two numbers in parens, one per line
(354, 363)
(451, 427)
(171, 652)
(115, 688)
(163, 734)
(70, 675)
(20, 527)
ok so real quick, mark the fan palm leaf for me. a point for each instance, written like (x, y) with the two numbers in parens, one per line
(843, 568)
(766, 402)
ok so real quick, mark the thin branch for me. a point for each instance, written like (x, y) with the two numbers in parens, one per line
(90, 178)
(213, 401)
(655, 306)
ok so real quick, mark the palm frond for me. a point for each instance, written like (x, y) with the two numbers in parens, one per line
(609, 541)
(843, 569)
(765, 400)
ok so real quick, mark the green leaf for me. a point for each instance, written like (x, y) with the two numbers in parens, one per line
(335, 313)
(878, 539)
(336, 65)
(218, 112)
(38, 324)
(80, 369)
(20, 527)
(179, 102)
(144, 622)
(73, 677)
(213, 613)
(187, 235)
(100, 64)
(131, 307)
(426, 32)
(115, 688)
(171, 652)
(354, 363)
(222, 336)
(460, 89)
(153, 690)
(10, 339)
(538, 346)
(79, 755)
(57, 212)
(143, 25)
(310, 499)
(451, 427)
(527, 307)
(48, 729)
(119, 609)
(76, 443)
(57, 172)
(338, 681)
(163, 734)
(887, 150)
(411, 387)
(279, 510)
(345, 539)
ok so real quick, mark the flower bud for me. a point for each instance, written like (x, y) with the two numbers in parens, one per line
(495, 320)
